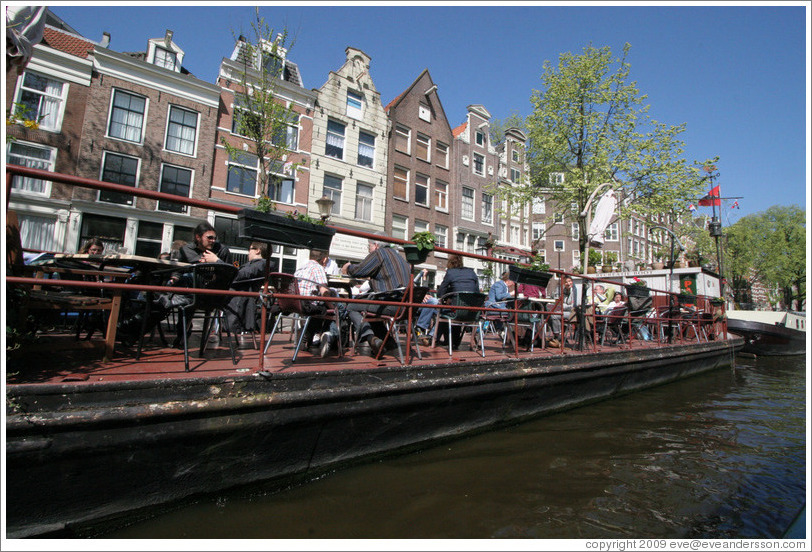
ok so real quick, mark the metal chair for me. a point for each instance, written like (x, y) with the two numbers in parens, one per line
(463, 318)
(208, 276)
(613, 321)
(287, 308)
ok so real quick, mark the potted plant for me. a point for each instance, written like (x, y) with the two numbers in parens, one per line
(593, 261)
(609, 260)
(422, 244)
(658, 261)
(291, 229)
(535, 273)
(637, 289)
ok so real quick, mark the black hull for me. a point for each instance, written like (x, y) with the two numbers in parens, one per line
(768, 339)
(81, 455)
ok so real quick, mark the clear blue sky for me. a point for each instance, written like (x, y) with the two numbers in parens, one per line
(737, 75)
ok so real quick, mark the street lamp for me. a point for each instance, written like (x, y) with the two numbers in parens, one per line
(671, 272)
(325, 205)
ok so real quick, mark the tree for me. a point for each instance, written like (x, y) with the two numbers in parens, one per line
(770, 247)
(590, 125)
(260, 116)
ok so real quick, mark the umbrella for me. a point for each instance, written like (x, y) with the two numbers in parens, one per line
(603, 214)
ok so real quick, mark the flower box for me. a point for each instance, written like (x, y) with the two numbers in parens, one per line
(531, 277)
(283, 230)
(685, 299)
(637, 291)
(415, 255)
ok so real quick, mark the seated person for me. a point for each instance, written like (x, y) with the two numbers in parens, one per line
(241, 312)
(457, 278)
(500, 292)
(569, 305)
(426, 318)
(531, 292)
(603, 299)
(312, 279)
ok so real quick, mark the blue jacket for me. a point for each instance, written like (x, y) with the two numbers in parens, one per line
(458, 279)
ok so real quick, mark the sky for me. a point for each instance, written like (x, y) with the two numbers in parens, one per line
(737, 74)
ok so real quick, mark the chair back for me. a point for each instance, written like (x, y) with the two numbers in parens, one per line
(463, 299)
(639, 305)
(397, 295)
(212, 276)
(286, 284)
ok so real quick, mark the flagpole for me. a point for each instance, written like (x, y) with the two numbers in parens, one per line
(715, 227)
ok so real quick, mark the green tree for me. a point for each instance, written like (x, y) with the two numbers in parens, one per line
(770, 247)
(590, 124)
(260, 116)
(499, 126)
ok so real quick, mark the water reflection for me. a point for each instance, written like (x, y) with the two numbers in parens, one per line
(717, 455)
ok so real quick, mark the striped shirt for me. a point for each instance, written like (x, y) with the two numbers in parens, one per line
(386, 269)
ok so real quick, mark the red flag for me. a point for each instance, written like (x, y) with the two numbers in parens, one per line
(711, 199)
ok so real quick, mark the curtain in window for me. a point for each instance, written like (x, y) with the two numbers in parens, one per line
(365, 150)
(335, 141)
(27, 156)
(49, 110)
(37, 232)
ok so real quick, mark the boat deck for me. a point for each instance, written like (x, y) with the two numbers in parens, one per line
(60, 358)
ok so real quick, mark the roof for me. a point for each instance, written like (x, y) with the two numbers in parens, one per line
(66, 42)
(460, 129)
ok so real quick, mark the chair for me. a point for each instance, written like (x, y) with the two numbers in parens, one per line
(394, 321)
(613, 321)
(244, 307)
(287, 308)
(463, 318)
(209, 276)
(331, 314)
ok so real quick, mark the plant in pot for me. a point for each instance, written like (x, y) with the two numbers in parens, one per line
(593, 261)
(534, 273)
(658, 261)
(609, 261)
(293, 229)
(422, 244)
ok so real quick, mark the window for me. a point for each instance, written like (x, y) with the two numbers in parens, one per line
(400, 189)
(515, 155)
(148, 243)
(480, 138)
(286, 134)
(43, 99)
(421, 189)
(175, 181)
(558, 218)
(363, 202)
(479, 164)
(244, 122)
(574, 207)
(421, 225)
(399, 227)
(575, 230)
(402, 138)
(611, 233)
(441, 195)
(242, 174)
(280, 185)
(366, 149)
(558, 245)
(37, 232)
(516, 175)
(271, 64)
(514, 233)
(127, 116)
(335, 140)
(36, 157)
(441, 154)
(423, 147)
(332, 189)
(538, 231)
(181, 130)
(424, 112)
(467, 203)
(538, 206)
(556, 179)
(111, 230)
(487, 208)
(118, 169)
(166, 59)
(355, 105)
(441, 232)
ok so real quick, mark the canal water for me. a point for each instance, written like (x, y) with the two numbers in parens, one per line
(719, 455)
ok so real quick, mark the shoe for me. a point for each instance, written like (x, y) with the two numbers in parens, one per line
(476, 341)
(375, 345)
(326, 343)
(425, 340)
(553, 342)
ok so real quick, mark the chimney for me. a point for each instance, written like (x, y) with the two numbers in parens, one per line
(105, 41)
(168, 38)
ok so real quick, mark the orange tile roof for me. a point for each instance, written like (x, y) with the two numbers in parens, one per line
(460, 129)
(68, 43)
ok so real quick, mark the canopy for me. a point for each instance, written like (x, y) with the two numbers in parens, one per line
(603, 214)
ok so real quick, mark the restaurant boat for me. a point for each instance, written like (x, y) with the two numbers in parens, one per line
(91, 441)
(769, 333)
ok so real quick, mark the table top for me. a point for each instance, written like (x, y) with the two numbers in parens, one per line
(121, 259)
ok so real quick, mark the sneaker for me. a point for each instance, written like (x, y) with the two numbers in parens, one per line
(375, 344)
(326, 343)
(553, 342)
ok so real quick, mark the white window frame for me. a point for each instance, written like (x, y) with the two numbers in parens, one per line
(575, 230)
(539, 228)
(113, 94)
(612, 233)
(277, 172)
(105, 156)
(556, 178)
(405, 134)
(36, 163)
(240, 163)
(335, 137)
(60, 99)
(421, 225)
(425, 141)
(515, 155)
(515, 175)
(400, 227)
(478, 157)
(170, 124)
(362, 144)
(467, 209)
(441, 150)
(480, 138)
(487, 208)
(184, 208)
(395, 178)
(37, 225)
(163, 62)
(355, 111)
(441, 195)
(425, 185)
(363, 201)
(333, 192)
(539, 206)
(441, 232)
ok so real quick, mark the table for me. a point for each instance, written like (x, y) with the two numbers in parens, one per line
(345, 283)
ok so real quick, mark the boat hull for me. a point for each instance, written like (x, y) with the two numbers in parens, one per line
(78, 456)
(768, 339)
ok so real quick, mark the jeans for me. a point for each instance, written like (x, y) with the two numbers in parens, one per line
(425, 316)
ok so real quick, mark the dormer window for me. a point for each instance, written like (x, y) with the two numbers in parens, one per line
(271, 63)
(166, 59)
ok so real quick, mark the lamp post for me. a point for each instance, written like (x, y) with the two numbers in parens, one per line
(671, 272)
(325, 205)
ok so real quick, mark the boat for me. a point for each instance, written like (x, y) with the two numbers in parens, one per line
(769, 333)
(92, 442)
